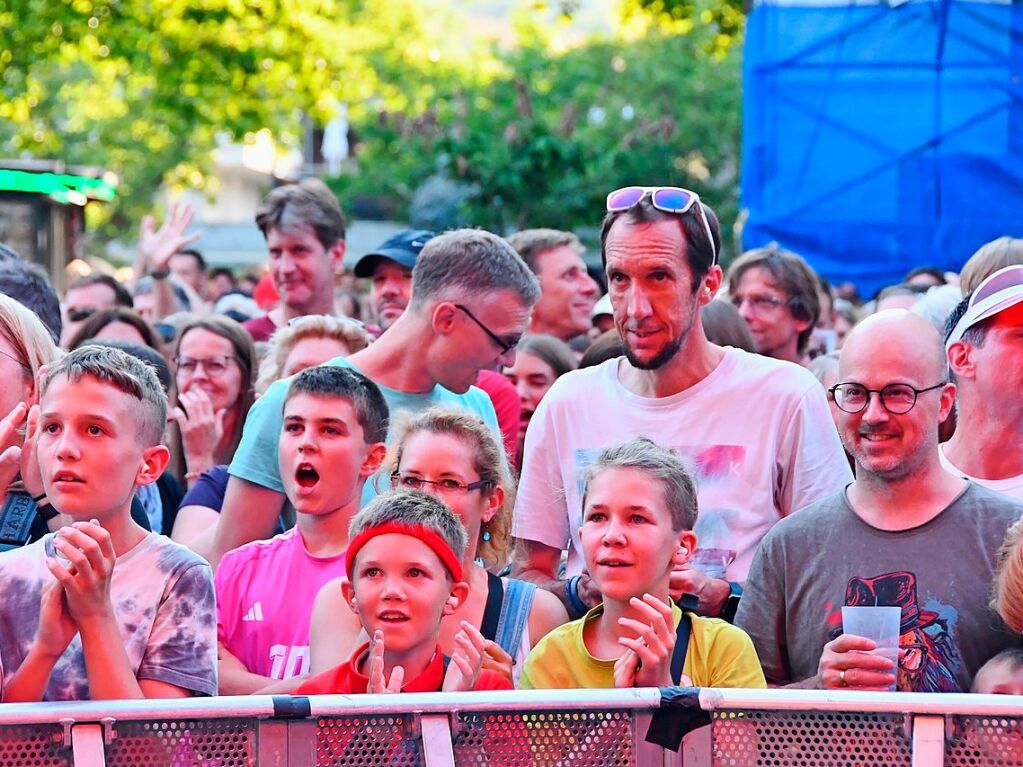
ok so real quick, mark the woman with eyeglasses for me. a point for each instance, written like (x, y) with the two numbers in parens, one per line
(455, 456)
(214, 372)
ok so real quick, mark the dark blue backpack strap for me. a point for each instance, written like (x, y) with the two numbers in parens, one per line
(16, 517)
(683, 632)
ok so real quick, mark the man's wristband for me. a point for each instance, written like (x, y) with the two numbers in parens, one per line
(43, 508)
(572, 592)
(160, 274)
(732, 603)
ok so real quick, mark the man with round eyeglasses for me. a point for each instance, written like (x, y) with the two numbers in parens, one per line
(906, 533)
(460, 319)
(756, 433)
(776, 293)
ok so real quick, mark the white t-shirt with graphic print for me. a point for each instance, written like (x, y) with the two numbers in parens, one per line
(756, 432)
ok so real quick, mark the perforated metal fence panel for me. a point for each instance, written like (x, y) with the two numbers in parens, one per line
(368, 741)
(37, 745)
(985, 741)
(184, 743)
(810, 739)
(545, 739)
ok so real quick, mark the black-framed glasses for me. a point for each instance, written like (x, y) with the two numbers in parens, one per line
(667, 199)
(446, 486)
(505, 345)
(897, 398)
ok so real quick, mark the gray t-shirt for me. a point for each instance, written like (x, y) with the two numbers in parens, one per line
(825, 556)
(163, 597)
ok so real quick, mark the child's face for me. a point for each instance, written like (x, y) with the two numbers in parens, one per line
(323, 454)
(626, 534)
(999, 678)
(401, 587)
(89, 452)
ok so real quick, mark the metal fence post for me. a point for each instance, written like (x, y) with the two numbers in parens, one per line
(928, 741)
(87, 745)
(436, 735)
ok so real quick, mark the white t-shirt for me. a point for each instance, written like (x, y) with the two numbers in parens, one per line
(757, 434)
(1012, 487)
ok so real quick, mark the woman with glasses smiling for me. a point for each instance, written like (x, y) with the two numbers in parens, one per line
(214, 372)
(453, 455)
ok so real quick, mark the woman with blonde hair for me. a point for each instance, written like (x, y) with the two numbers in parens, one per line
(455, 456)
(308, 341)
(25, 346)
(989, 258)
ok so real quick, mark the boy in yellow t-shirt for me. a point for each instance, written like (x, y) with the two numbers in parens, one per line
(639, 507)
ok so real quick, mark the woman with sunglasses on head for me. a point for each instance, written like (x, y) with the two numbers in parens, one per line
(214, 372)
(455, 456)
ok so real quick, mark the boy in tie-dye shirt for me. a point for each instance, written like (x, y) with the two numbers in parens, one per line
(103, 609)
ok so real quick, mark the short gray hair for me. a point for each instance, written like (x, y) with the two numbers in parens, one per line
(412, 507)
(470, 262)
(125, 373)
(662, 465)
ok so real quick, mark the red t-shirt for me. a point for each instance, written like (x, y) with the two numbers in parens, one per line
(507, 407)
(346, 678)
(260, 328)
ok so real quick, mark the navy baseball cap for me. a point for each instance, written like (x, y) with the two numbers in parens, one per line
(404, 248)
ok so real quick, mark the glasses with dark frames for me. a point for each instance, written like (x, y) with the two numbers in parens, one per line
(447, 486)
(505, 345)
(896, 398)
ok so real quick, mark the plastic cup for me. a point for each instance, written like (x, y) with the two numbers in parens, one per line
(879, 624)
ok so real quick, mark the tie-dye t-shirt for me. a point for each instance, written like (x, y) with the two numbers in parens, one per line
(164, 601)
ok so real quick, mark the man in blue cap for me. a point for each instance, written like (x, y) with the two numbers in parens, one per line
(389, 269)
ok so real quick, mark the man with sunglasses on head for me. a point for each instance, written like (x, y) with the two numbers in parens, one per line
(984, 343)
(757, 433)
(470, 304)
(776, 293)
(906, 533)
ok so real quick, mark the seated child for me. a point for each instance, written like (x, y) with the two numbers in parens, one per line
(335, 425)
(405, 573)
(639, 507)
(72, 625)
(1002, 675)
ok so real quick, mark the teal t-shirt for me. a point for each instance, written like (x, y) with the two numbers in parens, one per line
(255, 459)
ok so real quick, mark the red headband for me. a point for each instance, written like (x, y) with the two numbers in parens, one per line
(430, 537)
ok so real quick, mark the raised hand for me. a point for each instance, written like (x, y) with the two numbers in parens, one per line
(496, 659)
(156, 246)
(10, 458)
(375, 672)
(466, 660)
(56, 626)
(848, 663)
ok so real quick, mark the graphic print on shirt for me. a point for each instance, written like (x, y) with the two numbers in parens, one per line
(930, 654)
(710, 465)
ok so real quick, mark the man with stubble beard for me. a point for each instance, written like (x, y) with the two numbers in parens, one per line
(756, 432)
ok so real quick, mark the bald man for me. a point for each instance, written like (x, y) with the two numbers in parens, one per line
(906, 533)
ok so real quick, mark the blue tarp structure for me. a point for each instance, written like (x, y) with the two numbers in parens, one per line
(881, 137)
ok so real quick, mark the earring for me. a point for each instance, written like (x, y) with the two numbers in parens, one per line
(486, 535)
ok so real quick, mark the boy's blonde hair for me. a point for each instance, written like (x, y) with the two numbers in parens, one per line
(126, 374)
(663, 466)
(488, 462)
(1008, 585)
(415, 509)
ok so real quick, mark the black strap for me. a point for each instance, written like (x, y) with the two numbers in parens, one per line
(492, 611)
(16, 517)
(683, 631)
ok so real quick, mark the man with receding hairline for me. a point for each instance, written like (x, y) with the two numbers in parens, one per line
(906, 533)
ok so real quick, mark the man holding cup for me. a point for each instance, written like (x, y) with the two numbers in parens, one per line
(906, 534)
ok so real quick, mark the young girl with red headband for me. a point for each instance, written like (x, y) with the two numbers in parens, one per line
(404, 574)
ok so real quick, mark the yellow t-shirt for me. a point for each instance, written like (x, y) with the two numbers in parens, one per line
(719, 655)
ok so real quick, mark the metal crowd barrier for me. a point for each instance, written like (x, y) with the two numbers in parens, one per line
(565, 728)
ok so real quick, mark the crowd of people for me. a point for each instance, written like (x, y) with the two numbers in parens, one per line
(488, 472)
